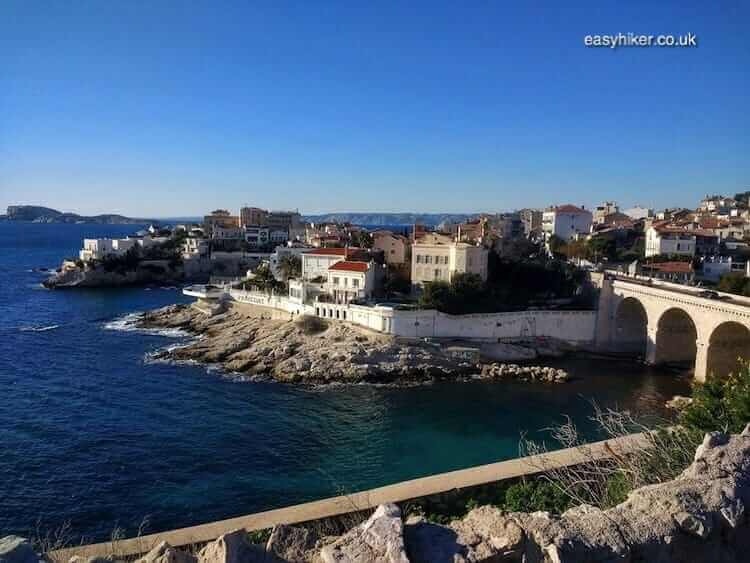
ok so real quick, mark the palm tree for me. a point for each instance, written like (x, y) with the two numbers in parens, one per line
(290, 266)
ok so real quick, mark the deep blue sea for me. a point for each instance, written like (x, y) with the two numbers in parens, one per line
(93, 434)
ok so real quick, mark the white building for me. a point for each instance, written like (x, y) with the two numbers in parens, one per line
(716, 266)
(434, 259)
(219, 232)
(98, 248)
(194, 246)
(315, 263)
(669, 240)
(638, 212)
(566, 222)
(348, 280)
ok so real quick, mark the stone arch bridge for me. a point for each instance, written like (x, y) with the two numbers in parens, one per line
(671, 324)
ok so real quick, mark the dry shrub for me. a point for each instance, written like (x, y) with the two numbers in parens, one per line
(310, 325)
(660, 455)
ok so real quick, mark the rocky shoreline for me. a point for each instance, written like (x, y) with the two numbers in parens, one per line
(248, 341)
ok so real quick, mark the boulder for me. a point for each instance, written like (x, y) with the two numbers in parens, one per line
(290, 543)
(15, 549)
(378, 540)
(231, 548)
(489, 533)
(165, 553)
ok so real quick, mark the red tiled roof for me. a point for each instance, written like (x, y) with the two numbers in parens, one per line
(568, 208)
(671, 267)
(331, 251)
(348, 266)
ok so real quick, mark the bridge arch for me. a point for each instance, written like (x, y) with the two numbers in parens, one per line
(631, 326)
(728, 345)
(676, 338)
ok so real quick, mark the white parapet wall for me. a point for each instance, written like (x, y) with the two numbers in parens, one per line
(570, 326)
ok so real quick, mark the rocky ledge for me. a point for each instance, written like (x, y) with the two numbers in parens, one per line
(313, 351)
(95, 277)
(699, 516)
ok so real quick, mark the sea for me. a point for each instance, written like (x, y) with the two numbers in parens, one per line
(95, 436)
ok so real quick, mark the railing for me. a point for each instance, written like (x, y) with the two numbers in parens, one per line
(336, 506)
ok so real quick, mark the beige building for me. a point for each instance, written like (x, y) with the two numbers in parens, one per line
(435, 259)
(220, 218)
(253, 216)
(395, 247)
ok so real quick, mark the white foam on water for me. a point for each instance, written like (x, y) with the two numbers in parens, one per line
(129, 323)
(38, 328)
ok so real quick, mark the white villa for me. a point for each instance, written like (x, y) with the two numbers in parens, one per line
(98, 248)
(437, 257)
(348, 281)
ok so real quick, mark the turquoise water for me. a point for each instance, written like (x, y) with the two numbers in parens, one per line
(93, 434)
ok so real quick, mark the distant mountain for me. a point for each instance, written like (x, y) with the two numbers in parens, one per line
(390, 218)
(38, 214)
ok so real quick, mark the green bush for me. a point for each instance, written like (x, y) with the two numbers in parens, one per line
(531, 496)
(720, 404)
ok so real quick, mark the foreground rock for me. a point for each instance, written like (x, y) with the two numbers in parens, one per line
(380, 538)
(700, 516)
(15, 549)
(248, 341)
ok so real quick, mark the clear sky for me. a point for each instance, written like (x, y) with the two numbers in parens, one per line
(159, 108)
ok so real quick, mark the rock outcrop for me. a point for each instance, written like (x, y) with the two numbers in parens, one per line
(259, 344)
(380, 538)
(147, 272)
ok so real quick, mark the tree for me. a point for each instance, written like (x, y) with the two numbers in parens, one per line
(743, 199)
(396, 282)
(362, 239)
(734, 282)
(290, 266)
(556, 244)
(435, 295)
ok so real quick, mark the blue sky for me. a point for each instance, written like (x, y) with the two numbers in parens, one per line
(166, 108)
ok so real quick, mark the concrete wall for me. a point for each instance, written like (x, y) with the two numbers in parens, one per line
(571, 326)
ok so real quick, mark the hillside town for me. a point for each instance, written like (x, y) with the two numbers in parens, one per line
(279, 252)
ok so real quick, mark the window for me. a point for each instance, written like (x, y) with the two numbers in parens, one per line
(437, 273)
(335, 281)
(355, 283)
(419, 258)
(428, 259)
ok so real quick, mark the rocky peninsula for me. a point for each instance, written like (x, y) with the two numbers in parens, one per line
(262, 344)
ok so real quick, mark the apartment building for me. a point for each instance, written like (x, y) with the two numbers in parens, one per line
(253, 217)
(395, 247)
(669, 240)
(566, 222)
